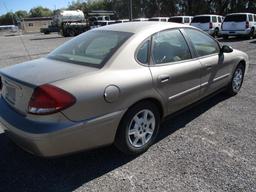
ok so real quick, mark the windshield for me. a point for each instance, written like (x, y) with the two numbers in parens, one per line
(235, 18)
(92, 48)
(176, 19)
(201, 19)
(153, 19)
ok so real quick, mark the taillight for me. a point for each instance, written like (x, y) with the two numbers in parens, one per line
(48, 99)
(210, 25)
(247, 25)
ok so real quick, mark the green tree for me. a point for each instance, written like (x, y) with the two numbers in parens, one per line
(78, 5)
(21, 14)
(40, 12)
(7, 19)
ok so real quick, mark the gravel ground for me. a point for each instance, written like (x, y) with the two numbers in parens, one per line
(209, 147)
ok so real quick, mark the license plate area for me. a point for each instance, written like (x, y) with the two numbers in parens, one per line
(10, 94)
(10, 91)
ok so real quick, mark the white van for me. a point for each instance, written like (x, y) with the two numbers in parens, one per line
(181, 19)
(163, 19)
(239, 24)
(208, 23)
(140, 19)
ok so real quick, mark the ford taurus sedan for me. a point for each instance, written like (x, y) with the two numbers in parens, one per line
(114, 84)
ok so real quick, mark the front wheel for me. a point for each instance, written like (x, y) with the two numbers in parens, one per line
(236, 81)
(138, 128)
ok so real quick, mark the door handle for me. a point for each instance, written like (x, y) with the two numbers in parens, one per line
(163, 78)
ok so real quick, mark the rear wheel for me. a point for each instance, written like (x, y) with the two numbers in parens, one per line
(251, 34)
(216, 33)
(236, 81)
(225, 37)
(138, 128)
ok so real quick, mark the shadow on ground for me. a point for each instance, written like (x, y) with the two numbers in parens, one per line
(20, 171)
(254, 42)
(233, 39)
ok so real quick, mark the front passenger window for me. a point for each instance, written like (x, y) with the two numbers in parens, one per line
(169, 46)
(250, 17)
(203, 44)
(186, 20)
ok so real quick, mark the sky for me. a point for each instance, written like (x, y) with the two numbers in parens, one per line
(15, 5)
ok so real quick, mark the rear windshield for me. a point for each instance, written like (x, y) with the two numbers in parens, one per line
(153, 19)
(92, 48)
(175, 20)
(201, 19)
(235, 18)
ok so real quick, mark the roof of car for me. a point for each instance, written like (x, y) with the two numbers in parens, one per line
(240, 13)
(207, 15)
(159, 17)
(136, 27)
(180, 16)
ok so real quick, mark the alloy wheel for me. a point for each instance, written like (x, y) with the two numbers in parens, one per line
(141, 128)
(237, 79)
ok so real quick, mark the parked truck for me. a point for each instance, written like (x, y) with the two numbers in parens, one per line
(74, 22)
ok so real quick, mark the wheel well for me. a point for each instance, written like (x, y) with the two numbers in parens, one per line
(155, 102)
(242, 62)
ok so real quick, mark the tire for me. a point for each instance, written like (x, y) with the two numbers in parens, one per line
(251, 34)
(236, 81)
(64, 33)
(225, 37)
(72, 33)
(129, 136)
(216, 33)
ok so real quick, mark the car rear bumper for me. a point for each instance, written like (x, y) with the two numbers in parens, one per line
(54, 139)
(235, 33)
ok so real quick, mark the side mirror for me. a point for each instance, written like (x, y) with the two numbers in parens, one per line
(226, 49)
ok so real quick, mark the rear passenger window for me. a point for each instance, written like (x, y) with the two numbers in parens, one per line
(169, 46)
(203, 44)
(186, 20)
(219, 19)
(214, 19)
(250, 17)
(142, 54)
(254, 18)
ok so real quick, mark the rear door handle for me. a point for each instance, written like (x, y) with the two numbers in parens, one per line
(163, 78)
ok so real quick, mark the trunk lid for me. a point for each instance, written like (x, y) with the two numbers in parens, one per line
(20, 80)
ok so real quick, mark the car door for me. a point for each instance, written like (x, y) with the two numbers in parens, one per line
(216, 67)
(176, 75)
